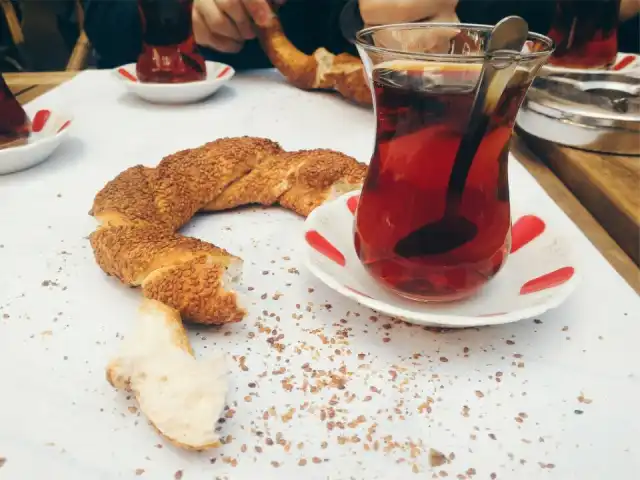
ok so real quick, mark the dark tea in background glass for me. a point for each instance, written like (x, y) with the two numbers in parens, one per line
(168, 47)
(15, 125)
(585, 33)
(422, 107)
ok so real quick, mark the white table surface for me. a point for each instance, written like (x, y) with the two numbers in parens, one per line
(61, 318)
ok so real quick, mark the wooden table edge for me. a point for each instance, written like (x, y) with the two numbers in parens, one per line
(578, 213)
(38, 78)
(28, 86)
(38, 83)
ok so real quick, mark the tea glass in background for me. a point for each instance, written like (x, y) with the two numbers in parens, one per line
(15, 125)
(424, 77)
(585, 33)
(169, 52)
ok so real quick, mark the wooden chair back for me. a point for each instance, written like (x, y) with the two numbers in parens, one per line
(82, 49)
(80, 53)
(15, 29)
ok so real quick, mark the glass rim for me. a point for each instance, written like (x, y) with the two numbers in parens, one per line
(549, 44)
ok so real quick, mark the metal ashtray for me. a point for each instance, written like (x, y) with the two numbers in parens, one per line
(596, 111)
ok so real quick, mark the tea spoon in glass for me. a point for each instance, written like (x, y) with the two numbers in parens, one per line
(453, 230)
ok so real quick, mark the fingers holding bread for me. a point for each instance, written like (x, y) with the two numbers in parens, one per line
(321, 71)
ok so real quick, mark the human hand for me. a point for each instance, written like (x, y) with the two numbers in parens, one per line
(435, 40)
(378, 12)
(629, 8)
(224, 25)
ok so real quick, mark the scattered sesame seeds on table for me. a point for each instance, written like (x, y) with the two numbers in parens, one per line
(320, 386)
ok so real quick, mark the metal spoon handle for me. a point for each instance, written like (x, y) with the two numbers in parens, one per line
(509, 34)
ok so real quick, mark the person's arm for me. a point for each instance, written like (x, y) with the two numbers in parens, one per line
(629, 8)
(378, 12)
(225, 25)
(114, 29)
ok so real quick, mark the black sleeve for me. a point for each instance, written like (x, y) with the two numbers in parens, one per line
(538, 13)
(629, 36)
(113, 27)
(311, 24)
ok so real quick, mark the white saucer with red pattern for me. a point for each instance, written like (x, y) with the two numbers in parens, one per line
(48, 130)
(538, 275)
(175, 93)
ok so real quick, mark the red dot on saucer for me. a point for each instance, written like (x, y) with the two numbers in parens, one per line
(548, 280)
(223, 72)
(127, 75)
(624, 63)
(64, 125)
(40, 120)
(352, 203)
(525, 230)
(323, 246)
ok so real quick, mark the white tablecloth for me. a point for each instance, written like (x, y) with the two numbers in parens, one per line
(554, 398)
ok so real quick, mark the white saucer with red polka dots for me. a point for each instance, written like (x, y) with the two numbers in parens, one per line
(48, 130)
(218, 74)
(538, 275)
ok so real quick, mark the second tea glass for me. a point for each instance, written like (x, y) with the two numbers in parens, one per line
(169, 52)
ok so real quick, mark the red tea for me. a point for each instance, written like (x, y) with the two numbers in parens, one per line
(422, 117)
(169, 49)
(15, 125)
(585, 33)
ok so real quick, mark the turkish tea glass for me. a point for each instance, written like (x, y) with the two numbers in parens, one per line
(424, 79)
(169, 52)
(15, 125)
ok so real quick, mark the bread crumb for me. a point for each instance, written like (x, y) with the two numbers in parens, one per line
(436, 458)
(583, 399)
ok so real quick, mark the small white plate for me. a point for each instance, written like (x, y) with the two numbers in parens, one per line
(175, 93)
(538, 275)
(627, 63)
(48, 130)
